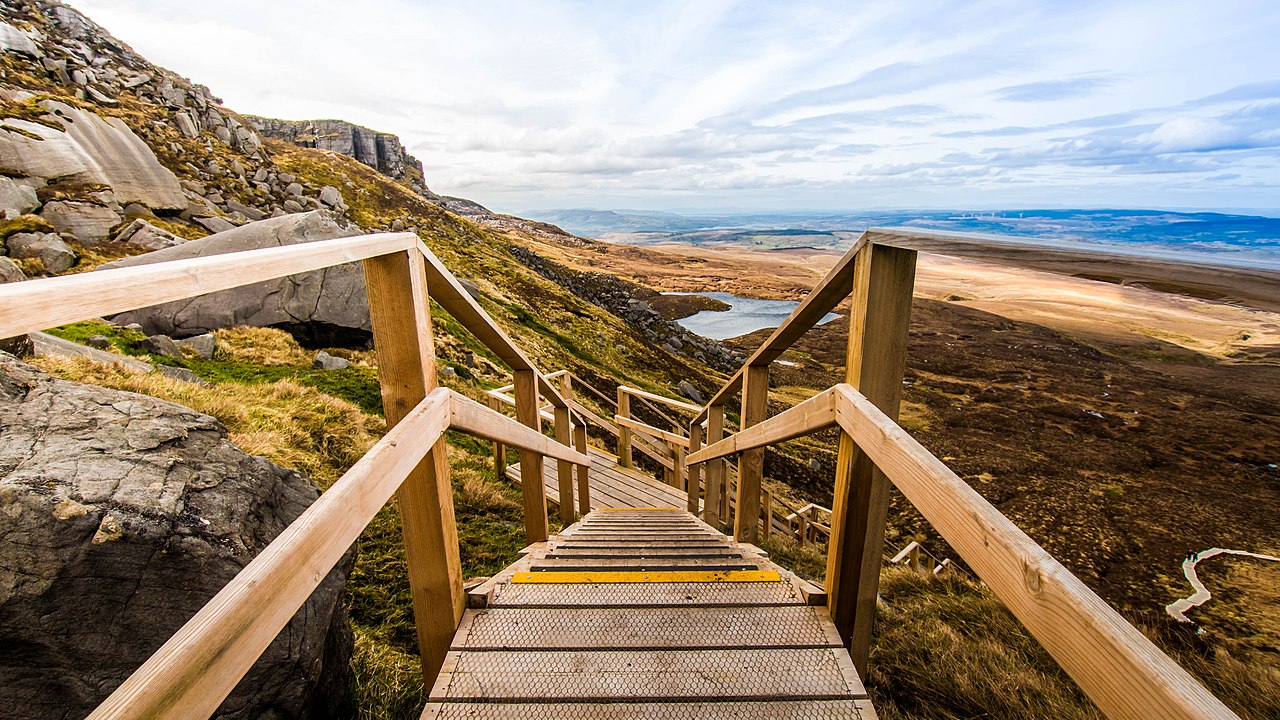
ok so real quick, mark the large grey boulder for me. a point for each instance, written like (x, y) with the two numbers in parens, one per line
(16, 198)
(10, 272)
(142, 233)
(122, 515)
(324, 307)
(91, 151)
(52, 251)
(89, 222)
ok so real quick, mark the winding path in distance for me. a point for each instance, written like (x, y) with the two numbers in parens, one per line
(1178, 608)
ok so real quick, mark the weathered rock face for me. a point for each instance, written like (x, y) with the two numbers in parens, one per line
(380, 151)
(320, 307)
(120, 516)
(91, 151)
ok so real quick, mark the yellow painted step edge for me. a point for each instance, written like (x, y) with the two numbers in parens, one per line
(640, 576)
(638, 509)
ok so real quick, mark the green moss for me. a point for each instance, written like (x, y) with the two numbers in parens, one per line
(24, 224)
(126, 341)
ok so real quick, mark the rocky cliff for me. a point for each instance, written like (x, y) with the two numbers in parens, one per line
(381, 151)
(120, 516)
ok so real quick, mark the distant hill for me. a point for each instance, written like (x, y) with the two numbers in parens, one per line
(1204, 232)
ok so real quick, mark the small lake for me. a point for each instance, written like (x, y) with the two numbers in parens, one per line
(745, 315)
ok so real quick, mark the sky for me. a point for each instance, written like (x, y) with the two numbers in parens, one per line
(722, 105)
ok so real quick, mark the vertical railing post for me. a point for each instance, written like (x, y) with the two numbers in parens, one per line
(584, 489)
(755, 399)
(880, 312)
(624, 434)
(715, 469)
(694, 472)
(579, 443)
(564, 468)
(531, 474)
(678, 474)
(766, 511)
(400, 315)
(499, 450)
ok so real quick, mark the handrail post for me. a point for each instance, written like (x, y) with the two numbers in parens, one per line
(755, 399)
(678, 467)
(715, 469)
(694, 472)
(564, 468)
(399, 311)
(624, 433)
(880, 313)
(531, 474)
(766, 510)
(499, 450)
(582, 472)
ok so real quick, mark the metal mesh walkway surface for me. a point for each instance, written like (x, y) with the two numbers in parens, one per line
(646, 613)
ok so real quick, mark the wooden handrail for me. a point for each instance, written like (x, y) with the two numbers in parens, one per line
(191, 674)
(828, 293)
(1122, 671)
(48, 302)
(637, 392)
(611, 402)
(816, 413)
(657, 433)
(454, 298)
(469, 415)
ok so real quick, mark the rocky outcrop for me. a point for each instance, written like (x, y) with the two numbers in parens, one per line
(88, 150)
(380, 151)
(120, 516)
(323, 307)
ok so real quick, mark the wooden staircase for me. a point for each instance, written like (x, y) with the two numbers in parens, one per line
(646, 613)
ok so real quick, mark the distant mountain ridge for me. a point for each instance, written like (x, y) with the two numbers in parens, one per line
(1204, 232)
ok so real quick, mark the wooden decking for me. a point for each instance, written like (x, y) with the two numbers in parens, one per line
(612, 486)
(646, 613)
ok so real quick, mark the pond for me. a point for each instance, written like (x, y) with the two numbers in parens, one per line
(745, 315)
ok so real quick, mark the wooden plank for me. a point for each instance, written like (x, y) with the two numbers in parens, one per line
(399, 312)
(499, 450)
(828, 293)
(564, 469)
(816, 413)
(531, 471)
(1113, 663)
(446, 290)
(48, 302)
(658, 398)
(472, 417)
(624, 432)
(191, 674)
(880, 312)
(714, 500)
(648, 429)
(693, 472)
(582, 470)
(755, 399)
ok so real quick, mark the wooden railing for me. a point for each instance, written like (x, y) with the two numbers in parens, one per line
(1122, 671)
(192, 673)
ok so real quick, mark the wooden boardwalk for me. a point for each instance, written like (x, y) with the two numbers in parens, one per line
(612, 486)
(646, 613)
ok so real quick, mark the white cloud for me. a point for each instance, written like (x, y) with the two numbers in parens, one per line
(763, 104)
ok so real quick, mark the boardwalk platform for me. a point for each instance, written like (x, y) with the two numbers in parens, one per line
(646, 613)
(612, 486)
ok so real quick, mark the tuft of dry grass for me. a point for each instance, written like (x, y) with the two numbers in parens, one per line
(261, 346)
(287, 423)
(947, 648)
(386, 681)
